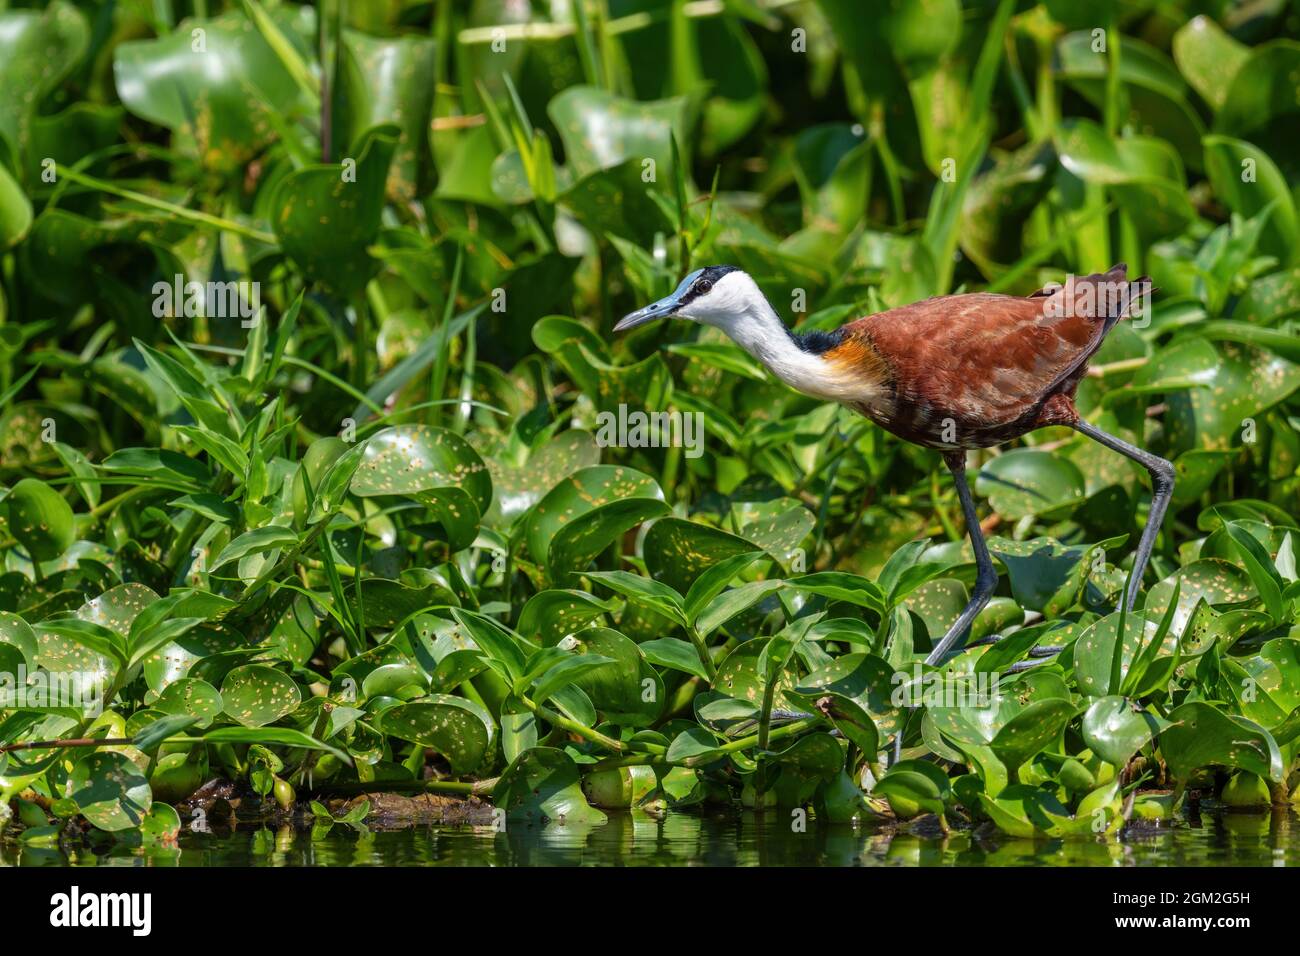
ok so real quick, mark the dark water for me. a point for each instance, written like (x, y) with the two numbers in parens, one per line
(719, 839)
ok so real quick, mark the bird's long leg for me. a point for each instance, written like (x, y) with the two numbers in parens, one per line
(1162, 487)
(987, 577)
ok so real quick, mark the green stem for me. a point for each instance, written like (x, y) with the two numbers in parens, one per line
(193, 215)
(69, 742)
(706, 659)
(457, 787)
(587, 733)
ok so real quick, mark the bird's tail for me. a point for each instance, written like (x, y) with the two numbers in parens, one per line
(1106, 296)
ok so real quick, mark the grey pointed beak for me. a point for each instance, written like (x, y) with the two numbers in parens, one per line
(662, 309)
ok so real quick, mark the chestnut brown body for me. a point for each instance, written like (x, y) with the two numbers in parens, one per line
(974, 370)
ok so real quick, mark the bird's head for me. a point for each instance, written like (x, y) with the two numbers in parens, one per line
(714, 295)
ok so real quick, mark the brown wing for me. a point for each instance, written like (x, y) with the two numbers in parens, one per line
(986, 361)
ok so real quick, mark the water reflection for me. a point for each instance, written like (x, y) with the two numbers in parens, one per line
(709, 839)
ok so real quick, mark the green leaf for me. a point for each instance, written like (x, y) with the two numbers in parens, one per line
(544, 784)
(190, 696)
(1260, 567)
(678, 552)
(15, 211)
(675, 654)
(39, 519)
(459, 729)
(628, 692)
(220, 102)
(552, 614)
(110, 791)
(649, 593)
(257, 541)
(327, 216)
(256, 695)
(1114, 729)
(583, 514)
(1024, 482)
(1200, 736)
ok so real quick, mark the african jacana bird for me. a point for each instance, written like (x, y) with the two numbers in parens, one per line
(953, 372)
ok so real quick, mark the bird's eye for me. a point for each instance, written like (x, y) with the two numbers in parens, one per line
(703, 287)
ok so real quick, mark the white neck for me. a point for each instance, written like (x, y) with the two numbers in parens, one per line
(753, 324)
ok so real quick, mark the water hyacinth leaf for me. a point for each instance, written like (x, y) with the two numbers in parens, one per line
(390, 80)
(998, 203)
(1200, 736)
(1255, 100)
(741, 675)
(1233, 382)
(645, 591)
(1031, 731)
(410, 459)
(577, 543)
(601, 130)
(85, 656)
(1038, 569)
(40, 519)
(840, 586)
(334, 485)
(219, 104)
(193, 697)
(387, 679)
(1277, 671)
(691, 744)
(1225, 160)
(150, 737)
(1024, 482)
(1025, 811)
(914, 786)
(110, 791)
(459, 729)
(587, 511)
(674, 654)
(1212, 580)
(1155, 90)
(256, 695)
(779, 527)
(272, 737)
(677, 551)
(617, 202)
(327, 216)
(18, 634)
(387, 603)
(937, 603)
(566, 673)
(550, 615)
(863, 680)
(162, 824)
(516, 489)
(496, 642)
(1095, 652)
(15, 211)
(725, 716)
(258, 541)
(1208, 57)
(12, 664)
(730, 603)
(1115, 730)
(544, 784)
(518, 729)
(810, 761)
(1259, 565)
(38, 49)
(159, 465)
(628, 692)
(714, 581)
